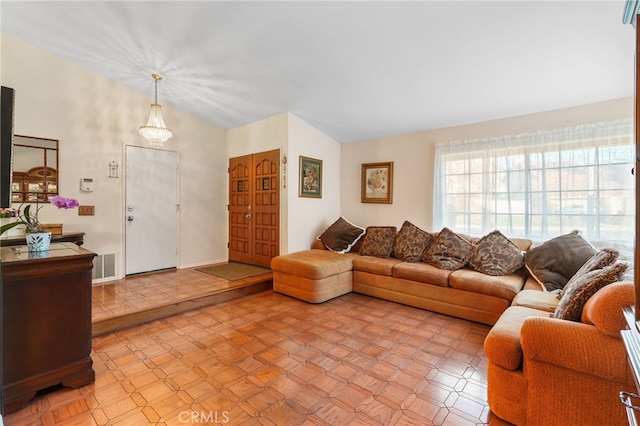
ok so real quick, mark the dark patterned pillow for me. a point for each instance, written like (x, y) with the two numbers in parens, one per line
(603, 258)
(341, 236)
(581, 287)
(411, 242)
(555, 261)
(494, 254)
(378, 241)
(448, 251)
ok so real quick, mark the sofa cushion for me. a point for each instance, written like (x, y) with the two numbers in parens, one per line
(423, 273)
(555, 261)
(581, 287)
(448, 251)
(378, 241)
(375, 265)
(502, 344)
(411, 242)
(523, 244)
(536, 299)
(341, 236)
(504, 287)
(495, 254)
(313, 264)
(604, 309)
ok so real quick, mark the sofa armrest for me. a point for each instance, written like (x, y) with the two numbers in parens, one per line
(573, 345)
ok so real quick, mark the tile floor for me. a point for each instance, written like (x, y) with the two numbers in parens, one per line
(146, 291)
(269, 359)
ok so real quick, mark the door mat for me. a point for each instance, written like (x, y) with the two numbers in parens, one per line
(233, 271)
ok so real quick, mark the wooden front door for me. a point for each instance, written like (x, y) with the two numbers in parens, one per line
(254, 208)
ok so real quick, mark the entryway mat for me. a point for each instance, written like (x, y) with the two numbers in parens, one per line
(233, 271)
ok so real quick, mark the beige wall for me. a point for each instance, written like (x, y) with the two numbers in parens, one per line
(94, 118)
(413, 157)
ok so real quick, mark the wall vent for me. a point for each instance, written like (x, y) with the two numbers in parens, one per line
(104, 266)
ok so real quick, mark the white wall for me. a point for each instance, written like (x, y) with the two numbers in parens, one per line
(301, 219)
(309, 217)
(94, 118)
(413, 157)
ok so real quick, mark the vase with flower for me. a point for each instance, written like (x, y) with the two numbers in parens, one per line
(38, 239)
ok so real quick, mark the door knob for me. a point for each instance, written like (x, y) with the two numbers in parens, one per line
(129, 218)
(249, 216)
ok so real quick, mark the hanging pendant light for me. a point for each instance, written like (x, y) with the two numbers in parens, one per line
(155, 131)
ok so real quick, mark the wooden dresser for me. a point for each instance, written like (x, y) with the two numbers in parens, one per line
(45, 327)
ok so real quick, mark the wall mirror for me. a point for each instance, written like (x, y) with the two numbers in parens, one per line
(35, 169)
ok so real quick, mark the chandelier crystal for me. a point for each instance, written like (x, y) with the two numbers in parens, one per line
(155, 130)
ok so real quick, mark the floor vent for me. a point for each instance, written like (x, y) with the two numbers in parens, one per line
(104, 266)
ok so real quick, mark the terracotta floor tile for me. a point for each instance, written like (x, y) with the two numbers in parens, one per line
(334, 414)
(268, 359)
(350, 396)
(378, 410)
(427, 409)
(308, 400)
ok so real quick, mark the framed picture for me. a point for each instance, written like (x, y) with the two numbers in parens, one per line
(310, 184)
(377, 183)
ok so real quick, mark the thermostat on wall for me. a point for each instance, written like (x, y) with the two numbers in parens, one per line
(86, 184)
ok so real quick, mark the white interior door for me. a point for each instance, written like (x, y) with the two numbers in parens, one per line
(151, 209)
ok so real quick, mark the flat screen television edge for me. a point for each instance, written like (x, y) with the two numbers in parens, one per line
(6, 144)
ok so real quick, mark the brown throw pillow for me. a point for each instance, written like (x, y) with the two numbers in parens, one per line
(411, 242)
(555, 261)
(494, 254)
(448, 251)
(378, 241)
(581, 287)
(341, 236)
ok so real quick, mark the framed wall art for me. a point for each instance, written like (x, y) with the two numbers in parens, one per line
(310, 184)
(377, 183)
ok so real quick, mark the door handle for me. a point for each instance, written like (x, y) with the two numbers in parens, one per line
(129, 218)
(248, 216)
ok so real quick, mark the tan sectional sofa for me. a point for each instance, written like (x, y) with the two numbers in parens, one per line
(317, 275)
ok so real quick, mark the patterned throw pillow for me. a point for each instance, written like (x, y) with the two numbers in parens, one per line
(411, 242)
(605, 257)
(555, 261)
(494, 254)
(448, 251)
(341, 236)
(581, 287)
(378, 241)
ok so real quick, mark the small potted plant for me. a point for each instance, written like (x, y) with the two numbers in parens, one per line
(38, 239)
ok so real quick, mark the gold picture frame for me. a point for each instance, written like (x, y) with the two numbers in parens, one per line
(310, 182)
(377, 183)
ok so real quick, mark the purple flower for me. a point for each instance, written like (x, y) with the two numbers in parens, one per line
(64, 203)
(8, 212)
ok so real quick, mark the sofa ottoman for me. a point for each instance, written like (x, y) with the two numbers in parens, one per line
(313, 275)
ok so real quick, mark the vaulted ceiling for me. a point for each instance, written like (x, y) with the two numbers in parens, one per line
(355, 70)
